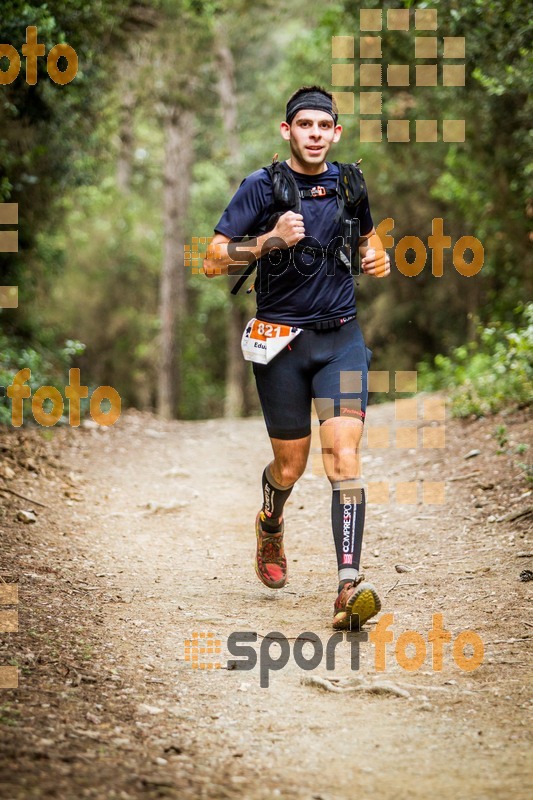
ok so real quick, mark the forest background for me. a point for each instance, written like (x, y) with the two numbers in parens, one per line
(175, 101)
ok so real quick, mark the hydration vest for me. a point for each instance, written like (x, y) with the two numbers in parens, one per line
(287, 196)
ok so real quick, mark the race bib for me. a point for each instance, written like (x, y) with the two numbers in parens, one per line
(261, 341)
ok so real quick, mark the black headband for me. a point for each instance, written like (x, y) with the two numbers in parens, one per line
(310, 100)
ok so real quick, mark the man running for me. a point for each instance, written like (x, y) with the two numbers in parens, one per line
(308, 304)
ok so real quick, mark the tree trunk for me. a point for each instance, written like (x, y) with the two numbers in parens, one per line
(126, 139)
(236, 373)
(179, 125)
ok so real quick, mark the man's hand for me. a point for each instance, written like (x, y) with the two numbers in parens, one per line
(224, 257)
(376, 263)
(289, 228)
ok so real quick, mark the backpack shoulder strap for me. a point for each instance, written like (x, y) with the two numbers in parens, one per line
(284, 187)
(352, 186)
(285, 197)
(351, 190)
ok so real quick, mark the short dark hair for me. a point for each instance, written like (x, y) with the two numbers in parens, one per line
(305, 89)
(311, 97)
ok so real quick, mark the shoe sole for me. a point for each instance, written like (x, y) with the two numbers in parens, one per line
(274, 584)
(363, 605)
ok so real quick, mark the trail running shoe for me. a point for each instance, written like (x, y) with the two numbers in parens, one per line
(355, 604)
(270, 561)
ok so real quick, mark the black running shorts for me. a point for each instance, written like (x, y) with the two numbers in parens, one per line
(329, 367)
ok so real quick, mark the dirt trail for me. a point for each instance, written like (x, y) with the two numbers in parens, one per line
(109, 707)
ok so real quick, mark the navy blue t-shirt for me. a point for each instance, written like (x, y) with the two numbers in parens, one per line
(293, 286)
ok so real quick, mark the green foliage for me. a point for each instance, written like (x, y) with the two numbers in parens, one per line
(500, 434)
(9, 715)
(486, 377)
(48, 368)
(526, 468)
(47, 133)
(505, 448)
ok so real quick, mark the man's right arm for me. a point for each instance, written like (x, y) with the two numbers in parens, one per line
(225, 257)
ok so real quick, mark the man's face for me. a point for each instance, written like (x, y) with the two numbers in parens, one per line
(310, 135)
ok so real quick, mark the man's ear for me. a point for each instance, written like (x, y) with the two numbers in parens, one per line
(285, 130)
(337, 133)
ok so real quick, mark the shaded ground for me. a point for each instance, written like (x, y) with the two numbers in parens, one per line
(147, 538)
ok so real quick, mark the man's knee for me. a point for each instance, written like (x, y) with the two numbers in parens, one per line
(340, 448)
(290, 459)
(340, 469)
(289, 472)
(338, 434)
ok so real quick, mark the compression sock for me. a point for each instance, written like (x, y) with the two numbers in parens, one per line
(347, 521)
(274, 498)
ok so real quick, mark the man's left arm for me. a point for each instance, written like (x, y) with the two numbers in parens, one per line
(375, 260)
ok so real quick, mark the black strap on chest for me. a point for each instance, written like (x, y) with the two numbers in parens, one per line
(317, 191)
(287, 196)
